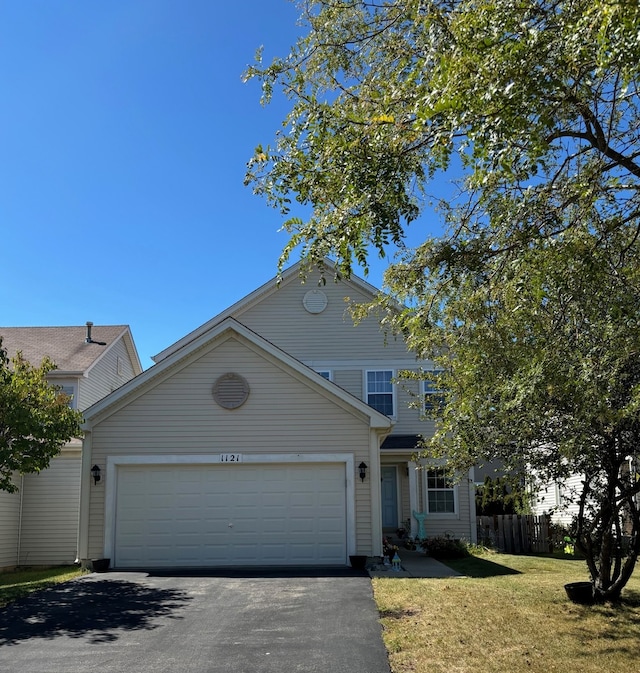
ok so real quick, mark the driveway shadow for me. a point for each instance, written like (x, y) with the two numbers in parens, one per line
(278, 572)
(96, 609)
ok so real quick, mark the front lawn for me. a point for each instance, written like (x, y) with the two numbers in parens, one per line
(510, 614)
(18, 583)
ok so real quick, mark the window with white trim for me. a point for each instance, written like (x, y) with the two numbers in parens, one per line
(440, 493)
(380, 391)
(325, 373)
(432, 394)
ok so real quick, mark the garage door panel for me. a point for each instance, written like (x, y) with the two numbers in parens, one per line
(180, 515)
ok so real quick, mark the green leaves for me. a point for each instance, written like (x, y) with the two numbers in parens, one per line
(529, 301)
(35, 418)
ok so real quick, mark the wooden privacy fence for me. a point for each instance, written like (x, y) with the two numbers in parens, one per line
(514, 533)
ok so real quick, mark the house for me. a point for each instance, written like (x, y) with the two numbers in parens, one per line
(560, 499)
(274, 434)
(39, 524)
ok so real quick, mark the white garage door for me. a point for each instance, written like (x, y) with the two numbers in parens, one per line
(216, 515)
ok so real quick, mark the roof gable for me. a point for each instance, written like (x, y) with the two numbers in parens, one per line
(67, 346)
(292, 275)
(222, 330)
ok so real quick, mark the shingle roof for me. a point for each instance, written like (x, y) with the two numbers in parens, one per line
(401, 442)
(66, 346)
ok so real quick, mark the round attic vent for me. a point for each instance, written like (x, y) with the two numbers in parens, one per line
(315, 301)
(230, 390)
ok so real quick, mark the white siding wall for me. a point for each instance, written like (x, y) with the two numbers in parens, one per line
(9, 525)
(179, 415)
(559, 500)
(106, 376)
(50, 512)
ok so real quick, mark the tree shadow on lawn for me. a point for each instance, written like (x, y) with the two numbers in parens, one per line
(474, 566)
(97, 609)
(618, 627)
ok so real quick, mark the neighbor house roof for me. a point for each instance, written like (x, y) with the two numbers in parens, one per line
(66, 346)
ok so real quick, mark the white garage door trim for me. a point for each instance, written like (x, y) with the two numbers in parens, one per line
(114, 462)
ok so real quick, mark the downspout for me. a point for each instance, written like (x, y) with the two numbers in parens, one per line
(82, 553)
(472, 506)
(19, 541)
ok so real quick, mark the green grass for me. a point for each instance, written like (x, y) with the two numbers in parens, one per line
(509, 613)
(18, 583)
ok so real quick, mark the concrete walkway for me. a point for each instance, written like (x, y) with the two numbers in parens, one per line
(416, 564)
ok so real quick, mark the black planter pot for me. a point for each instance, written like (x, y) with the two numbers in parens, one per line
(358, 562)
(100, 565)
(580, 592)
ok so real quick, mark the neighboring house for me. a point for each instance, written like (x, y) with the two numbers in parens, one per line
(274, 434)
(39, 524)
(560, 499)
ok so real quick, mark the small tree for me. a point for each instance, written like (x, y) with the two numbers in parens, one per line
(35, 418)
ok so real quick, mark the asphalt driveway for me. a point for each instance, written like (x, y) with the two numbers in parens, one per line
(257, 623)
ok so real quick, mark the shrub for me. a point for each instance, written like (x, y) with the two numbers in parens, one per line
(444, 548)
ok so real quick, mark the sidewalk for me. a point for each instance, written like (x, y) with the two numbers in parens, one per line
(415, 564)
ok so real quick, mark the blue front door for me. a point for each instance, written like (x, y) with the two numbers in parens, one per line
(389, 497)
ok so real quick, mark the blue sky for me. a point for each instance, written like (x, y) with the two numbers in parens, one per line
(125, 129)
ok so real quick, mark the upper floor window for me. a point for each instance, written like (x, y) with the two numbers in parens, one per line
(433, 394)
(380, 391)
(70, 391)
(325, 374)
(440, 492)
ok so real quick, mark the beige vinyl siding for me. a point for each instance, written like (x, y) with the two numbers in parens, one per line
(331, 335)
(435, 524)
(409, 412)
(50, 512)
(441, 524)
(105, 376)
(282, 415)
(9, 527)
(330, 341)
(350, 380)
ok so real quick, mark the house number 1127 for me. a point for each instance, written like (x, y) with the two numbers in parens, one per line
(230, 457)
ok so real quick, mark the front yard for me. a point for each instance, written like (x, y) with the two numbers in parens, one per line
(510, 614)
(19, 583)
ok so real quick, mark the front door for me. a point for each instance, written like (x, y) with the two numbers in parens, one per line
(389, 497)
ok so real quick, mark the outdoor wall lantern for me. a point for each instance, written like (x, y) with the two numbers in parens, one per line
(95, 473)
(363, 470)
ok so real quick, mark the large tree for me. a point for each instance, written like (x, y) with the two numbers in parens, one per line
(35, 418)
(530, 299)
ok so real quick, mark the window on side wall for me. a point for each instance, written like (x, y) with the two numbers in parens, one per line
(325, 373)
(432, 394)
(380, 391)
(441, 493)
(70, 391)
